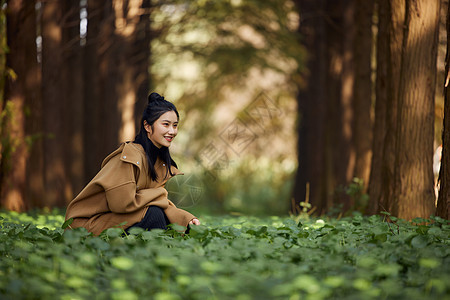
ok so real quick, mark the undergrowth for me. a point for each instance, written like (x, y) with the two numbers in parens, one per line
(227, 258)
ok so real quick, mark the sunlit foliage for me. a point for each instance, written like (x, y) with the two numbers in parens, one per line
(217, 60)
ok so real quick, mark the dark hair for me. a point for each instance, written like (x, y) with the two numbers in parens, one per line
(156, 107)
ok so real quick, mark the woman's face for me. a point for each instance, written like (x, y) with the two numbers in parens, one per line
(164, 129)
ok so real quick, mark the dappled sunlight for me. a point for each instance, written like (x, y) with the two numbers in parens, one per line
(126, 109)
(13, 200)
(127, 18)
(248, 34)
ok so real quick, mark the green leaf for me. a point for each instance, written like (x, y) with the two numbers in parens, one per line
(122, 263)
(429, 263)
(419, 241)
(113, 232)
(177, 227)
(67, 223)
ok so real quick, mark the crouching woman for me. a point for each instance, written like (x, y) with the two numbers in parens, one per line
(128, 191)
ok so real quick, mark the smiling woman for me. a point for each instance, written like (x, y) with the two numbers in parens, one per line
(128, 191)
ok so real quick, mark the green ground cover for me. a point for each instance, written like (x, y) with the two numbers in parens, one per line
(227, 258)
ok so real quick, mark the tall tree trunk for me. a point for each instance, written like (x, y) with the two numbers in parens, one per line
(414, 196)
(443, 204)
(326, 157)
(22, 59)
(309, 183)
(340, 158)
(142, 54)
(362, 102)
(53, 103)
(116, 71)
(100, 106)
(397, 21)
(381, 101)
(133, 36)
(72, 74)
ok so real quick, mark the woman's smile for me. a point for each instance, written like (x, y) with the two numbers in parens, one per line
(163, 130)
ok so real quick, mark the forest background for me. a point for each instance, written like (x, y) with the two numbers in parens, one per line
(318, 106)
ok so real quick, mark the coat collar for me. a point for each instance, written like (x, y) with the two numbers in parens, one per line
(134, 153)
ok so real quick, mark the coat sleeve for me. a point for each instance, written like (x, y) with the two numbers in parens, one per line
(177, 215)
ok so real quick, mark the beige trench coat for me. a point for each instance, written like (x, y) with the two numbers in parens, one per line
(122, 191)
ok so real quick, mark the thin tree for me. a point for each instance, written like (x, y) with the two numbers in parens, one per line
(72, 106)
(20, 90)
(443, 204)
(340, 156)
(362, 90)
(100, 100)
(310, 184)
(53, 94)
(381, 104)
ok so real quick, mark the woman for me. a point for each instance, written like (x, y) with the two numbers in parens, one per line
(128, 191)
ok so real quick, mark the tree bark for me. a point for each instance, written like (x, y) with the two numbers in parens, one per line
(100, 106)
(117, 76)
(142, 54)
(397, 21)
(133, 35)
(309, 184)
(414, 194)
(325, 152)
(362, 91)
(53, 103)
(21, 36)
(443, 203)
(381, 102)
(72, 74)
(340, 156)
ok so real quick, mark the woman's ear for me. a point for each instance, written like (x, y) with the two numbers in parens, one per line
(147, 127)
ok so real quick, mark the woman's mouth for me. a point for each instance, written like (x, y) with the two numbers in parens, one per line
(168, 138)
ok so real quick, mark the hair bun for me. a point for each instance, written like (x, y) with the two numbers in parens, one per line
(153, 97)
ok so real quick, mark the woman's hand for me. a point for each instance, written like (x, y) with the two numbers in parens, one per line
(194, 222)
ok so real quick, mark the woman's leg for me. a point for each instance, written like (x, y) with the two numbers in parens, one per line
(154, 218)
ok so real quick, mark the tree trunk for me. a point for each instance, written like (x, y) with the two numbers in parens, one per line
(309, 183)
(133, 36)
(362, 102)
(142, 54)
(53, 104)
(414, 194)
(397, 21)
(443, 204)
(325, 152)
(100, 106)
(117, 76)
(72, 74)
(340, 156)
(381, 96)
(21, 35)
